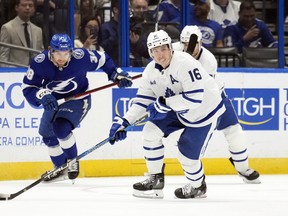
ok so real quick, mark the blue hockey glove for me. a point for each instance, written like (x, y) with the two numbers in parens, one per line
(123, 78)
(48, 101)
(158, 110)
(117, 131)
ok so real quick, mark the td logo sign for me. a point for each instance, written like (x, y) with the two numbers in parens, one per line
(121, 101)
(257, 109)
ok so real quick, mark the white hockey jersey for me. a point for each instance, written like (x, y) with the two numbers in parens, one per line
(227, 16)
(187, 87)
(208, 61)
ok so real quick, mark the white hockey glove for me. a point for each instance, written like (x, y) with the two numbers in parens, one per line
(48, 101)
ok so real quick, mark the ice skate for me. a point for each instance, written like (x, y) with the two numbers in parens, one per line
(56, 177)
(73, 169)
(151, 187)
(189, 192)
(249, 176)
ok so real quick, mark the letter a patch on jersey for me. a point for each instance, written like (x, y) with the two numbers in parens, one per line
(173, 80)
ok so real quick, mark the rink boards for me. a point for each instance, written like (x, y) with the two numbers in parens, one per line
(260, 100)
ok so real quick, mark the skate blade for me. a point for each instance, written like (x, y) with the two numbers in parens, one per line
(151, 194)
(197, 197)
(58, 179)
(201, 196)
(255, 181)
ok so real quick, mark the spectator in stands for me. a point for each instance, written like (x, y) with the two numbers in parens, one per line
(86, 8)
(20, 32)
(109, 34)
(88, 35)
(44, 18)
(212, 34)
(248, 31)
(139, 55)
(61, 16)
(142, 23)
(225, 12)
(98, 10)
(169, 11)
(139, 8)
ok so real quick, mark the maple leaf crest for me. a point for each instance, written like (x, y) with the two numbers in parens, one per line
(169, 92)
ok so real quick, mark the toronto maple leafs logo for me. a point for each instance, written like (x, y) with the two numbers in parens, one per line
(169, 92)
(62, 87)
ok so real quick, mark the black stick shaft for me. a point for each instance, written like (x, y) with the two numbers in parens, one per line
(64, 166)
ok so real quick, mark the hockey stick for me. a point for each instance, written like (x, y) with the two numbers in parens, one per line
(48, 175)
(192, 44)
(157, 16)
(60, 101)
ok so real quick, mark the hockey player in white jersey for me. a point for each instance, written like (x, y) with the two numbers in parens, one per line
(228, 124)
(178, 94)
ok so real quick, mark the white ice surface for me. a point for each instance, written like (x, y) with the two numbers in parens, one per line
(227, 195)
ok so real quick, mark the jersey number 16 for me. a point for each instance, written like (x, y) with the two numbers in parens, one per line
(195, 75)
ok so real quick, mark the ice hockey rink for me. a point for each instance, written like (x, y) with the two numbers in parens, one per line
(227, 195)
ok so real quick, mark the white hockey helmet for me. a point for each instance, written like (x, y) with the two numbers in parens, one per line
(158, 38)
(188, 31)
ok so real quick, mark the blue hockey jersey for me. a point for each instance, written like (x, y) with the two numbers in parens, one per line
(67, 81)
(233, 36)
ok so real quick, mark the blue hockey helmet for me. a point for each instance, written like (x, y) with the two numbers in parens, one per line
(61, 42)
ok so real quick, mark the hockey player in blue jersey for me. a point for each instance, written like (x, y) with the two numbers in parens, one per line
(58, 73)
(179, 95)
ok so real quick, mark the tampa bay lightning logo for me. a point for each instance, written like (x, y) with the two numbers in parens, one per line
(62, 87)
(208, 35)
(39, 58)
(78, 53)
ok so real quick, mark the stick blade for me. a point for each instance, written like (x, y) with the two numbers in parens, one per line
(5, 197)
(192, 43)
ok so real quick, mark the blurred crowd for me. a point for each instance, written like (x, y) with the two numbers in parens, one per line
(223, 23)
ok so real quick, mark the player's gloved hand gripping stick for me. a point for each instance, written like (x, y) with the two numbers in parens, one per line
(48, 101)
